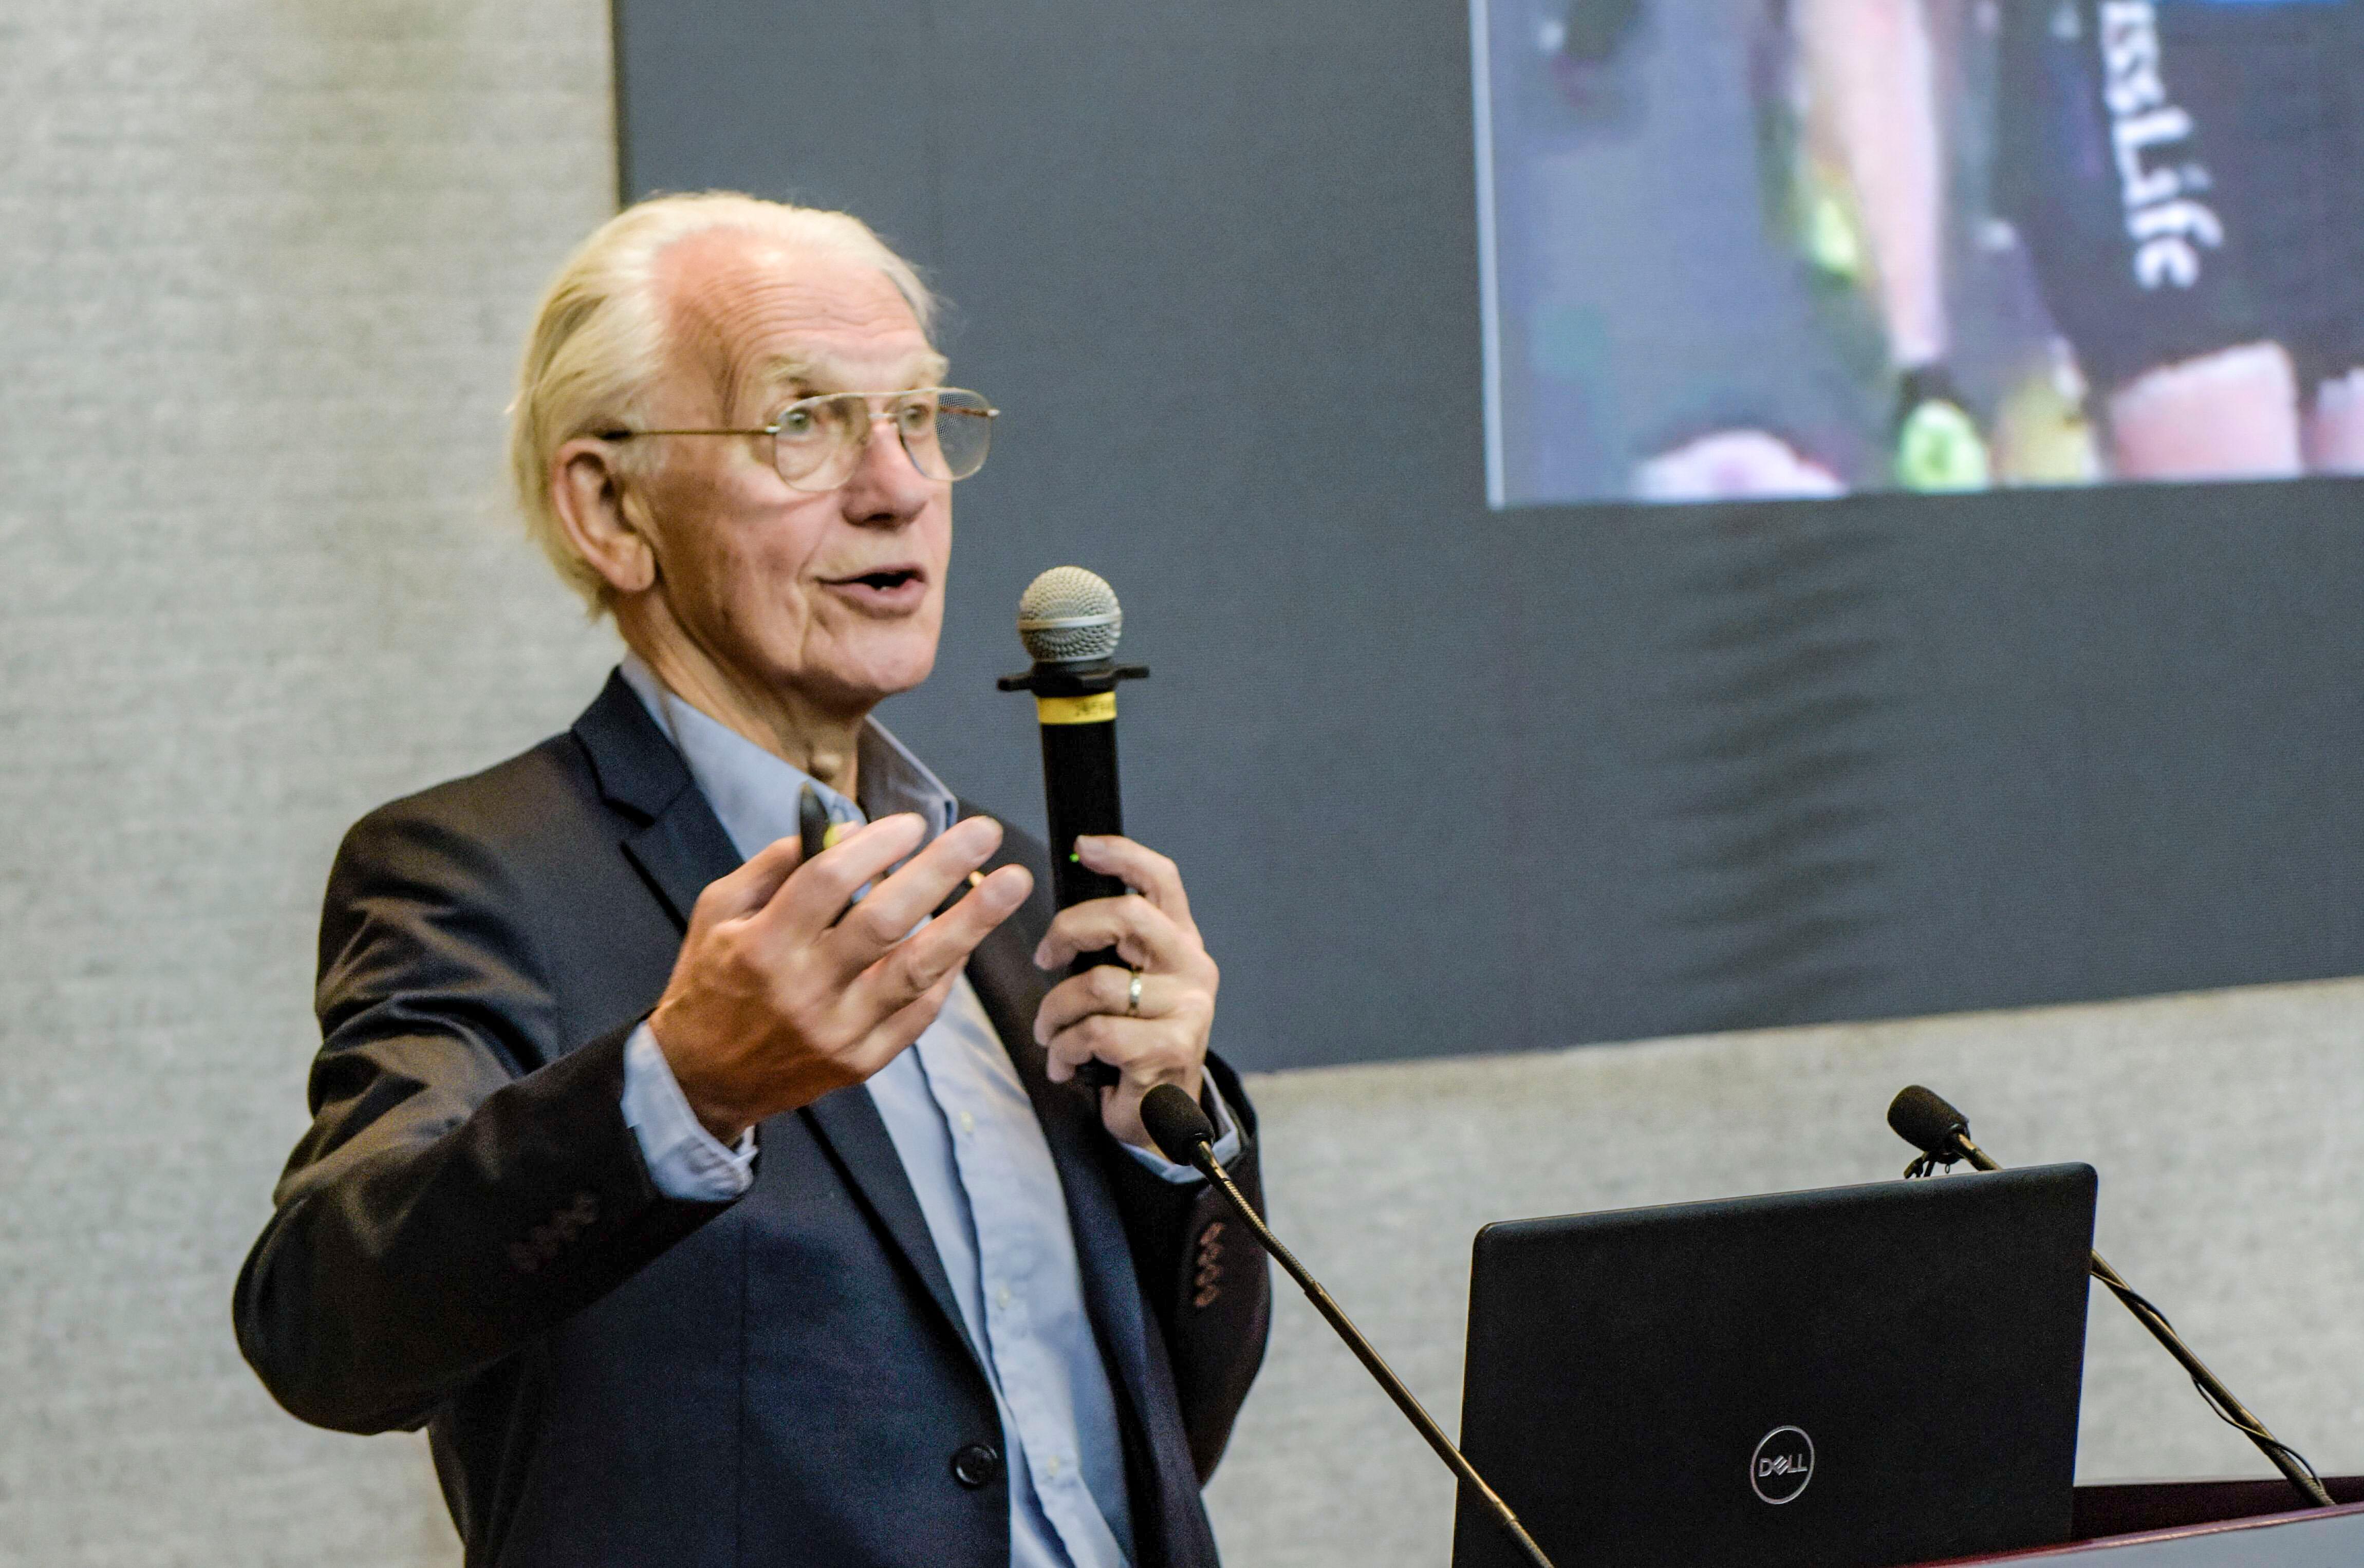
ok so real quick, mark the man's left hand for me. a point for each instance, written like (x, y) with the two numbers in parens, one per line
(1090, 1014)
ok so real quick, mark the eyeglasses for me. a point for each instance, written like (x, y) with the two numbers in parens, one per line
(817, 443)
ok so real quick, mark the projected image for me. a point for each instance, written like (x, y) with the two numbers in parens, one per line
(1793, 248)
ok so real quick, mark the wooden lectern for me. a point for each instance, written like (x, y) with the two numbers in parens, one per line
(2207, 1524)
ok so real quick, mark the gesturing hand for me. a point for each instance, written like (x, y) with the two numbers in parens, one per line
(771, 1006)
(1164, 1040)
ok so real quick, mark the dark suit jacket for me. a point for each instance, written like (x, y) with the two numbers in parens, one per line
(468, 1237)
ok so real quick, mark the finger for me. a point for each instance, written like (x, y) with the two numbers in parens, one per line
(749, 888)
(1102, 989)
(897, 903)
(810, 901)
(900, 1029)
(937, 950)
(1144, 871)
(1145, 1054)
(1141, 932)
(1102, 1037)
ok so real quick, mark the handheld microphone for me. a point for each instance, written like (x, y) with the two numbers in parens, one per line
(1069, 620)
(1923, 1118)
(1184, 1135)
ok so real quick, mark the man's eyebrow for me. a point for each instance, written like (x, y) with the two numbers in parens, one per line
(796, 375)
(787, 373)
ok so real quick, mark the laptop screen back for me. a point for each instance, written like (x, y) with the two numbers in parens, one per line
(1849, 1378)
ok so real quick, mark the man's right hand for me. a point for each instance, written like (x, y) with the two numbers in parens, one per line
(771, 1006)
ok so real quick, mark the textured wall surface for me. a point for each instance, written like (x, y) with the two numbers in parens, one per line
(263, 269)
(2224, 1127)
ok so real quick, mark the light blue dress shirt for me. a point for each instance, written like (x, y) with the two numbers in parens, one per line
(972, 1149)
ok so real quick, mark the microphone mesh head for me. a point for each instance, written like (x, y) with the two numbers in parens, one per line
(1069, 616)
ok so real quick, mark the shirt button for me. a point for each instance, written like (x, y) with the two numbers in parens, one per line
(969, 1122)
(976, 1464)
(1001, 1298)
(1052, 1464)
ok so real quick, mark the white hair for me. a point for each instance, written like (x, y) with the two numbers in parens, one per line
(598, 340)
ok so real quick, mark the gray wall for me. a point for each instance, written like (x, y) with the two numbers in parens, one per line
(262, 274)
(1449, 780)
(263, 269)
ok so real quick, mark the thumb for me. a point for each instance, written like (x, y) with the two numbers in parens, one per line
(751, 887)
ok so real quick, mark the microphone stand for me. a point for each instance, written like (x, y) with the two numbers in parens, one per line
(2236, 1414)
(1202, 1156)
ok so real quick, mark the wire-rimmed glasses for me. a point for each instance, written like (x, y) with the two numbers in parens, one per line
(817, 443)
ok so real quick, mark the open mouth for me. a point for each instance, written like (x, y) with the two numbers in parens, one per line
(890, 586)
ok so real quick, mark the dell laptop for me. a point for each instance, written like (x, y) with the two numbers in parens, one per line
(1851, 1378)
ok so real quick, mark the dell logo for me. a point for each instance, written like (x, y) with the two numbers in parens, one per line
(1782, 1464)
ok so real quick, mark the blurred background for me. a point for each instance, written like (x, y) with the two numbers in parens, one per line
(1760, 247)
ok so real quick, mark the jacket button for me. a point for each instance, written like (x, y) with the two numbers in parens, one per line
(976, 1464)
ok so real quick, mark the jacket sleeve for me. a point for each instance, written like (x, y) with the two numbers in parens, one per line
(1206, 1279)
(468, 1181)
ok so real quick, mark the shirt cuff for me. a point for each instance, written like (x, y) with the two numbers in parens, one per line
(1227, 1140)
(687, 1163)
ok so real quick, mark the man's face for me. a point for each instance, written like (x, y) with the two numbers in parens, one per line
(836, 598)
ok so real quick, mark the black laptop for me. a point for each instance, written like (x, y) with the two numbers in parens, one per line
(1850, 1378)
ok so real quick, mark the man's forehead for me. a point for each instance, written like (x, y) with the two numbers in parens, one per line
(754, 311)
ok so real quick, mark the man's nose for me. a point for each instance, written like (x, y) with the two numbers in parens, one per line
(885, 489)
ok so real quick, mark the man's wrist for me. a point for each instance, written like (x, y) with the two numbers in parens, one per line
(723, 1118)
(685, 1158)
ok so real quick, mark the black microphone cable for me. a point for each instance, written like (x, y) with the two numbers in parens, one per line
(1924, 1119)
(2142, 1307)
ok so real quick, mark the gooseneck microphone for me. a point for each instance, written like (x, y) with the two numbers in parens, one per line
(1923, 1118)
(1184, 1135)
(1069, 620)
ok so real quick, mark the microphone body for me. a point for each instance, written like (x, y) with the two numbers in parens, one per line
(1081, 794)
(1184, 1135)
(1069, 621)
(1923, 1118)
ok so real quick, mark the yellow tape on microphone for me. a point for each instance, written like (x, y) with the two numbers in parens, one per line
(1097, 708)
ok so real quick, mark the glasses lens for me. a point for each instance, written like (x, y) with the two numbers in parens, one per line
(815, 436)
(817, 442)
(947, 436)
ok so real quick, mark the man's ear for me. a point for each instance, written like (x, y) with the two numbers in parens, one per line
(586, 489)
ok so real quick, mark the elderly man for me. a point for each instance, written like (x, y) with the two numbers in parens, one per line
(707, 1205)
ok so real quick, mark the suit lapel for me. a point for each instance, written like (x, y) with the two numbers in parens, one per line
(681, 852)
(680, 848)
(850, 1127)
(680, 845)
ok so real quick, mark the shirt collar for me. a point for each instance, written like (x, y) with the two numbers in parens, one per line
(754, 793)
